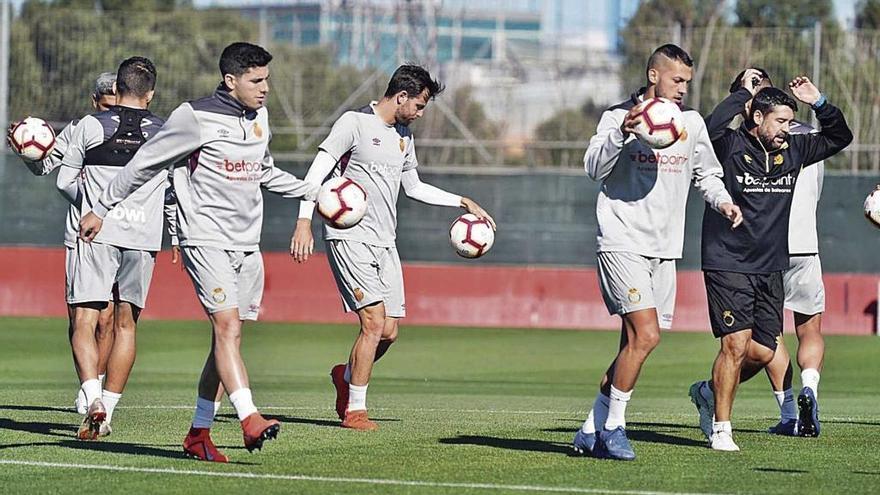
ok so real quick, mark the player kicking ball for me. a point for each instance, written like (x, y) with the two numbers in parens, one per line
(743, 268)
(220, 216)
(374, 147)
(641, 213)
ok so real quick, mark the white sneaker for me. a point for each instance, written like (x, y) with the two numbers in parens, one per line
(80, 403)
(722, 440)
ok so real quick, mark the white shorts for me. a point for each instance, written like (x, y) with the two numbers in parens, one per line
(366, 275)
(226, 279)
(93, 269)
(804, 289)
(631, 282)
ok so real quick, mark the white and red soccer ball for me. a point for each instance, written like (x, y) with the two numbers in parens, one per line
(872, 207)
(32, 138)
(470, 236)
(662, 123)
(342, 202)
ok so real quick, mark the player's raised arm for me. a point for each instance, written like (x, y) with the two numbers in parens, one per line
(835, 134)
(177, 138)
(718, 121)
(606, 144)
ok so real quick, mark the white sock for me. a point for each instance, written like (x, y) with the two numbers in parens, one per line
(348, 373)
(357, 397)
(92, 390)
(217, 407)
(101, 378)
(205, 411)
(617, 409)
(785, 399)
(110, 399)
(719, 426)
(810, 378)
(243, 402)
(598, 414)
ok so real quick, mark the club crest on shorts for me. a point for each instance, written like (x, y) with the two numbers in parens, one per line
(634, 295)
(218, 295)
(727, 318)
(358, 294)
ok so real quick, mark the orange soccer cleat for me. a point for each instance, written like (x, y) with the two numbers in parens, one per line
(90, 428)
(358, 420)
(337, 374)
(198, 445)
(257, 429)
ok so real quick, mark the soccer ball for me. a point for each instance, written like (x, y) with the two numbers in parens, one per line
(662, 123)
(33, 139)
(872, 207)
(342, 202)
(470, 236)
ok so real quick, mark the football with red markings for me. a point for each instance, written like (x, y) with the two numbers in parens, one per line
(872, 207)
(32, 138)
(342, 202)
(662, 123)
(470, 236)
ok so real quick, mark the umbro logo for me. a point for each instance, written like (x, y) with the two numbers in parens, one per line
(223, 133)
(377, 142)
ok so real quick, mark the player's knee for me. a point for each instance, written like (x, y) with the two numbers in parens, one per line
(227, 330)
(389, 332)
(736, 344)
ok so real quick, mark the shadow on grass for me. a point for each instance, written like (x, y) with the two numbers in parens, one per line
(330, 423)
(40, 428)
(647, 432)
(11, 407)
(510, 444)
(778, 470)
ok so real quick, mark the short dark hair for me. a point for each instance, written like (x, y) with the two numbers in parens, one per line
(136, 76)
(737, 83)
(670, 51)
(413, 79)
(768, 98)
(238, 57)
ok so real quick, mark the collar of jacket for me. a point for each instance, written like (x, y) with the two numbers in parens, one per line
(231, 106)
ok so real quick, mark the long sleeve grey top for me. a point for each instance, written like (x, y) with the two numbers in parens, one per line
(219, 203)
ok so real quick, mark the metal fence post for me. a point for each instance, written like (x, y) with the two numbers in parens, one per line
(5, 19)
(817, 59)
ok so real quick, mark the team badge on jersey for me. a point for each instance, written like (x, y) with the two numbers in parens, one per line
(258, 131)
(777, 160)
(358, 294)
(634, 296)
(402, 145)
(727, 318)
(218, 295)
(683, 136)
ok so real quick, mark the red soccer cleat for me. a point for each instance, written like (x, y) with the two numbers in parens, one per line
(337, 374)
(257, 429)
(91, 425)
(198, 445)
(358, 420)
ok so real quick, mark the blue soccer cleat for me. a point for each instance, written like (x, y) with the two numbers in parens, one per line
(584, 442)
(785, 427)
(808, 413)
(613, 444)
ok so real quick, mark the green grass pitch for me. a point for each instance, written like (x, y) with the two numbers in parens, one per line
(460, 411)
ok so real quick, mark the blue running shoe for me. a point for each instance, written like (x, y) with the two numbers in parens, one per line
(584, 442)
(613, 444)
(808, 413)
(785, 427)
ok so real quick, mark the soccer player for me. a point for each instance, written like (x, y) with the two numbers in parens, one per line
(102, 98)
(743, 269)
(641, 213)
(220, 215)
(804, 292)
(124, 254)
(374, 147)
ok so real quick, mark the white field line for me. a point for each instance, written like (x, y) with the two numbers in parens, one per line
(323, 479)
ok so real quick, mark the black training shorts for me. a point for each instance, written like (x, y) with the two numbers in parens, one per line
(739, 301)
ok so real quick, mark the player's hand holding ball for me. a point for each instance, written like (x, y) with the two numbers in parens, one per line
(32, 138)
(473, 234)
